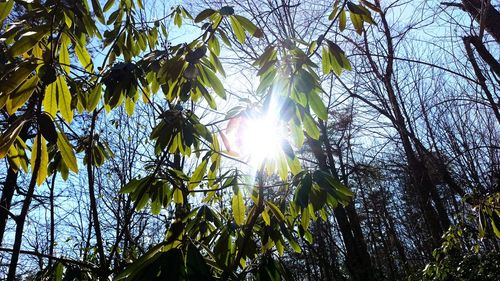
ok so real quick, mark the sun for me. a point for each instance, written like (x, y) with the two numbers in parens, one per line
(256, 137)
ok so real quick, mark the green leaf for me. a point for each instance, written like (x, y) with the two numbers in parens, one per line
(214, 82)
(21, 95)
(203, 15)
(213, 45)
(310, 126)
(178, 196)
(133, 184)
(141, 262)
(64, 60)
(276, 211)
(197, 268)
(67, 153)
(325, 61)
(342, 20)
(238, 207)
(156, 206)
(297, 134)
(94, 97)
(295, 246)
(25, 43)
(64, 99)
(495, 223)
(44, 159)
(58, 271)
(12, 79)
(334, 11)
(294, 165)
(5, 8)
(317, 105)
(282, 166)
(198, 174)
(178, 20)
(10, 135)
(215, 61)
(98, 11)
(357, 21)
(237, 29)
(108, 5)
(249, 26)
(265, 216)
(50, 99)
(129, 106)
(83, 55)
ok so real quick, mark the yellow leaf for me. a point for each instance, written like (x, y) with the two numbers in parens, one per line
(129, 106)
(198, 175)
(50, 99)
(83, 54)
(21, 95)
(178, 197)
(238, 206)
(276, 211)
(265, 217)
(64, 60)
(67, 154)
(9, 136)
(44, 159)
(13, 156)
(282, 166)
(64, 99)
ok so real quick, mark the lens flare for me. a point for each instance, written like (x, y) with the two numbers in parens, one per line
(255, 138)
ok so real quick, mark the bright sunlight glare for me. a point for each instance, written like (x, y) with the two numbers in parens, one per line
(256, 138)
(262, 139)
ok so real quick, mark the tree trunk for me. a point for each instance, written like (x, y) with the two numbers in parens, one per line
(357, 257)
(6, 201)
(491, 20)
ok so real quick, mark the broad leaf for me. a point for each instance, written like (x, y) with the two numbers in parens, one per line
(64, 99)
(238, 207)
(67, 153)
(43, 159)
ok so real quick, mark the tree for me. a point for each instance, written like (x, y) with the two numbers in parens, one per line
(45, 87)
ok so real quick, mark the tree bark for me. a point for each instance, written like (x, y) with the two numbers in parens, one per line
(491, 19)
(6, 201)
(11, 276)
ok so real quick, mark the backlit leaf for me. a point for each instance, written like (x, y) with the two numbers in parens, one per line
(67, 153)
(5, 8)
(21, 95)
(249, 26)
(44, 159)
(83, 55)
(198, 174)
(265, 217)
(276, 211)
(64, 60)
(10, 135)
(64, 99)
(178, 197)
(237, 29)
(317, 105)
(50, 99)
(342, 20)
(238, 207)
(25, 43)
(310, 126)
